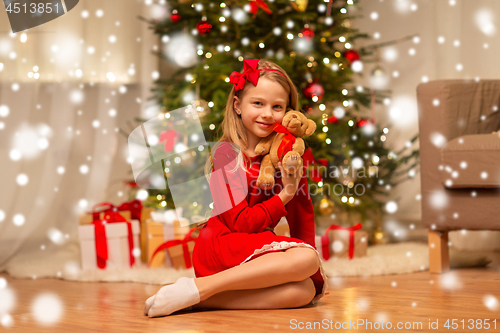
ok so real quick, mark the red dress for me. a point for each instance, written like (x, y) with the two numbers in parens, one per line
(236, 232)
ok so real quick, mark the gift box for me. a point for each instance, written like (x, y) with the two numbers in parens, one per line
(163, 226)
(88, 218)
(140, 213)
(177, 255)
(179, 251)
(132, 210)
(157, 233)
(145, 216)
(106, 245)
(341, 243)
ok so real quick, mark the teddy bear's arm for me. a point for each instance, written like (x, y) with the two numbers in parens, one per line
(299, 146)
(266, 174)
(264, 144)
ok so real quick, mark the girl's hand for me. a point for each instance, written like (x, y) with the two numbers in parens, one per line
(290, 184)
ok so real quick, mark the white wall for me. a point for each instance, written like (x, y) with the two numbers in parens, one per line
(469, 31)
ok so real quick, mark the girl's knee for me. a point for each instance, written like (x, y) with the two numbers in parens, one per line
(304, 260)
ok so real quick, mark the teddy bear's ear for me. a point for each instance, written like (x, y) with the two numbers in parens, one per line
(311, 127)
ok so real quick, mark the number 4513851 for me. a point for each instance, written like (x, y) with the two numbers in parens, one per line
(32, 8)
(470, 324)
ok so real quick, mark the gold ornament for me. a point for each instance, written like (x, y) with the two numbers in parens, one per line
(201, 107)
(346, 23)
(326, 206)
(379, 236)
(299, 5)
(187, 158)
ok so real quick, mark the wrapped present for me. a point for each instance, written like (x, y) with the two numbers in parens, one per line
(145, 216)
(157, 233)
(99, 211)
(282, 228)
(340, 242)
(109, 243)
(173, 218)
(132, 210)
(180, 251)
(140, 213)
(163, 226)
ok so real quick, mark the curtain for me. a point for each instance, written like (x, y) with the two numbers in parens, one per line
(60, 151)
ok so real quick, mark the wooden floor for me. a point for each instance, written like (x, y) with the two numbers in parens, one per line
(408, 298)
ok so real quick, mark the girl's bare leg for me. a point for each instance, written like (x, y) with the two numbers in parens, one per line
(271, 269)
(283, 296)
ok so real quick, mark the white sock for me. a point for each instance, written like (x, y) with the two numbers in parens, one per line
(182, 294)
(148, 304)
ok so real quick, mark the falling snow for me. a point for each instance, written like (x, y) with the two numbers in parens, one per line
(47, 308)
(491, 302)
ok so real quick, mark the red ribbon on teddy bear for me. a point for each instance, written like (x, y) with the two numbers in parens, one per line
(287, 143)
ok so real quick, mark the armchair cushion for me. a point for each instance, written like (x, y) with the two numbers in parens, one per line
(471, 161)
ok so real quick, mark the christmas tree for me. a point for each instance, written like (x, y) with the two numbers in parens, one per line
(350, 167)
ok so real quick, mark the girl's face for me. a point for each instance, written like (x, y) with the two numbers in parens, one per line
(261, 108)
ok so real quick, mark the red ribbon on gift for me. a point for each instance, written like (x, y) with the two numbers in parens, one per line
(96, 212)
(287, 143)
(325, 242)
(325, 249)
(254, 7)
(135, 208)
(101, 242)
(174, 242)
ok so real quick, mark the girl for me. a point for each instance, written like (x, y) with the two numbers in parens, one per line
(238, 260)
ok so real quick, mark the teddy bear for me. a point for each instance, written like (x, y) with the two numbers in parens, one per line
(286, 141)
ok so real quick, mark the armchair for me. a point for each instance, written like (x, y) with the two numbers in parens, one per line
(460, 160)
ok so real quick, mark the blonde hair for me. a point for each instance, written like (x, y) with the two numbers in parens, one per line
(232, 127)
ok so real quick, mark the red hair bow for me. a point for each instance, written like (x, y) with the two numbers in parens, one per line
(254, 7)
(250, 73)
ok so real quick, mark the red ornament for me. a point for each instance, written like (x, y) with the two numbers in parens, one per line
(203, 27)
(175, 17)
(314, 89)
(332, 119)
(307, 33)
(131, 184)
(362, 122)
(307, 109)
(351, 55)
(256, 4)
